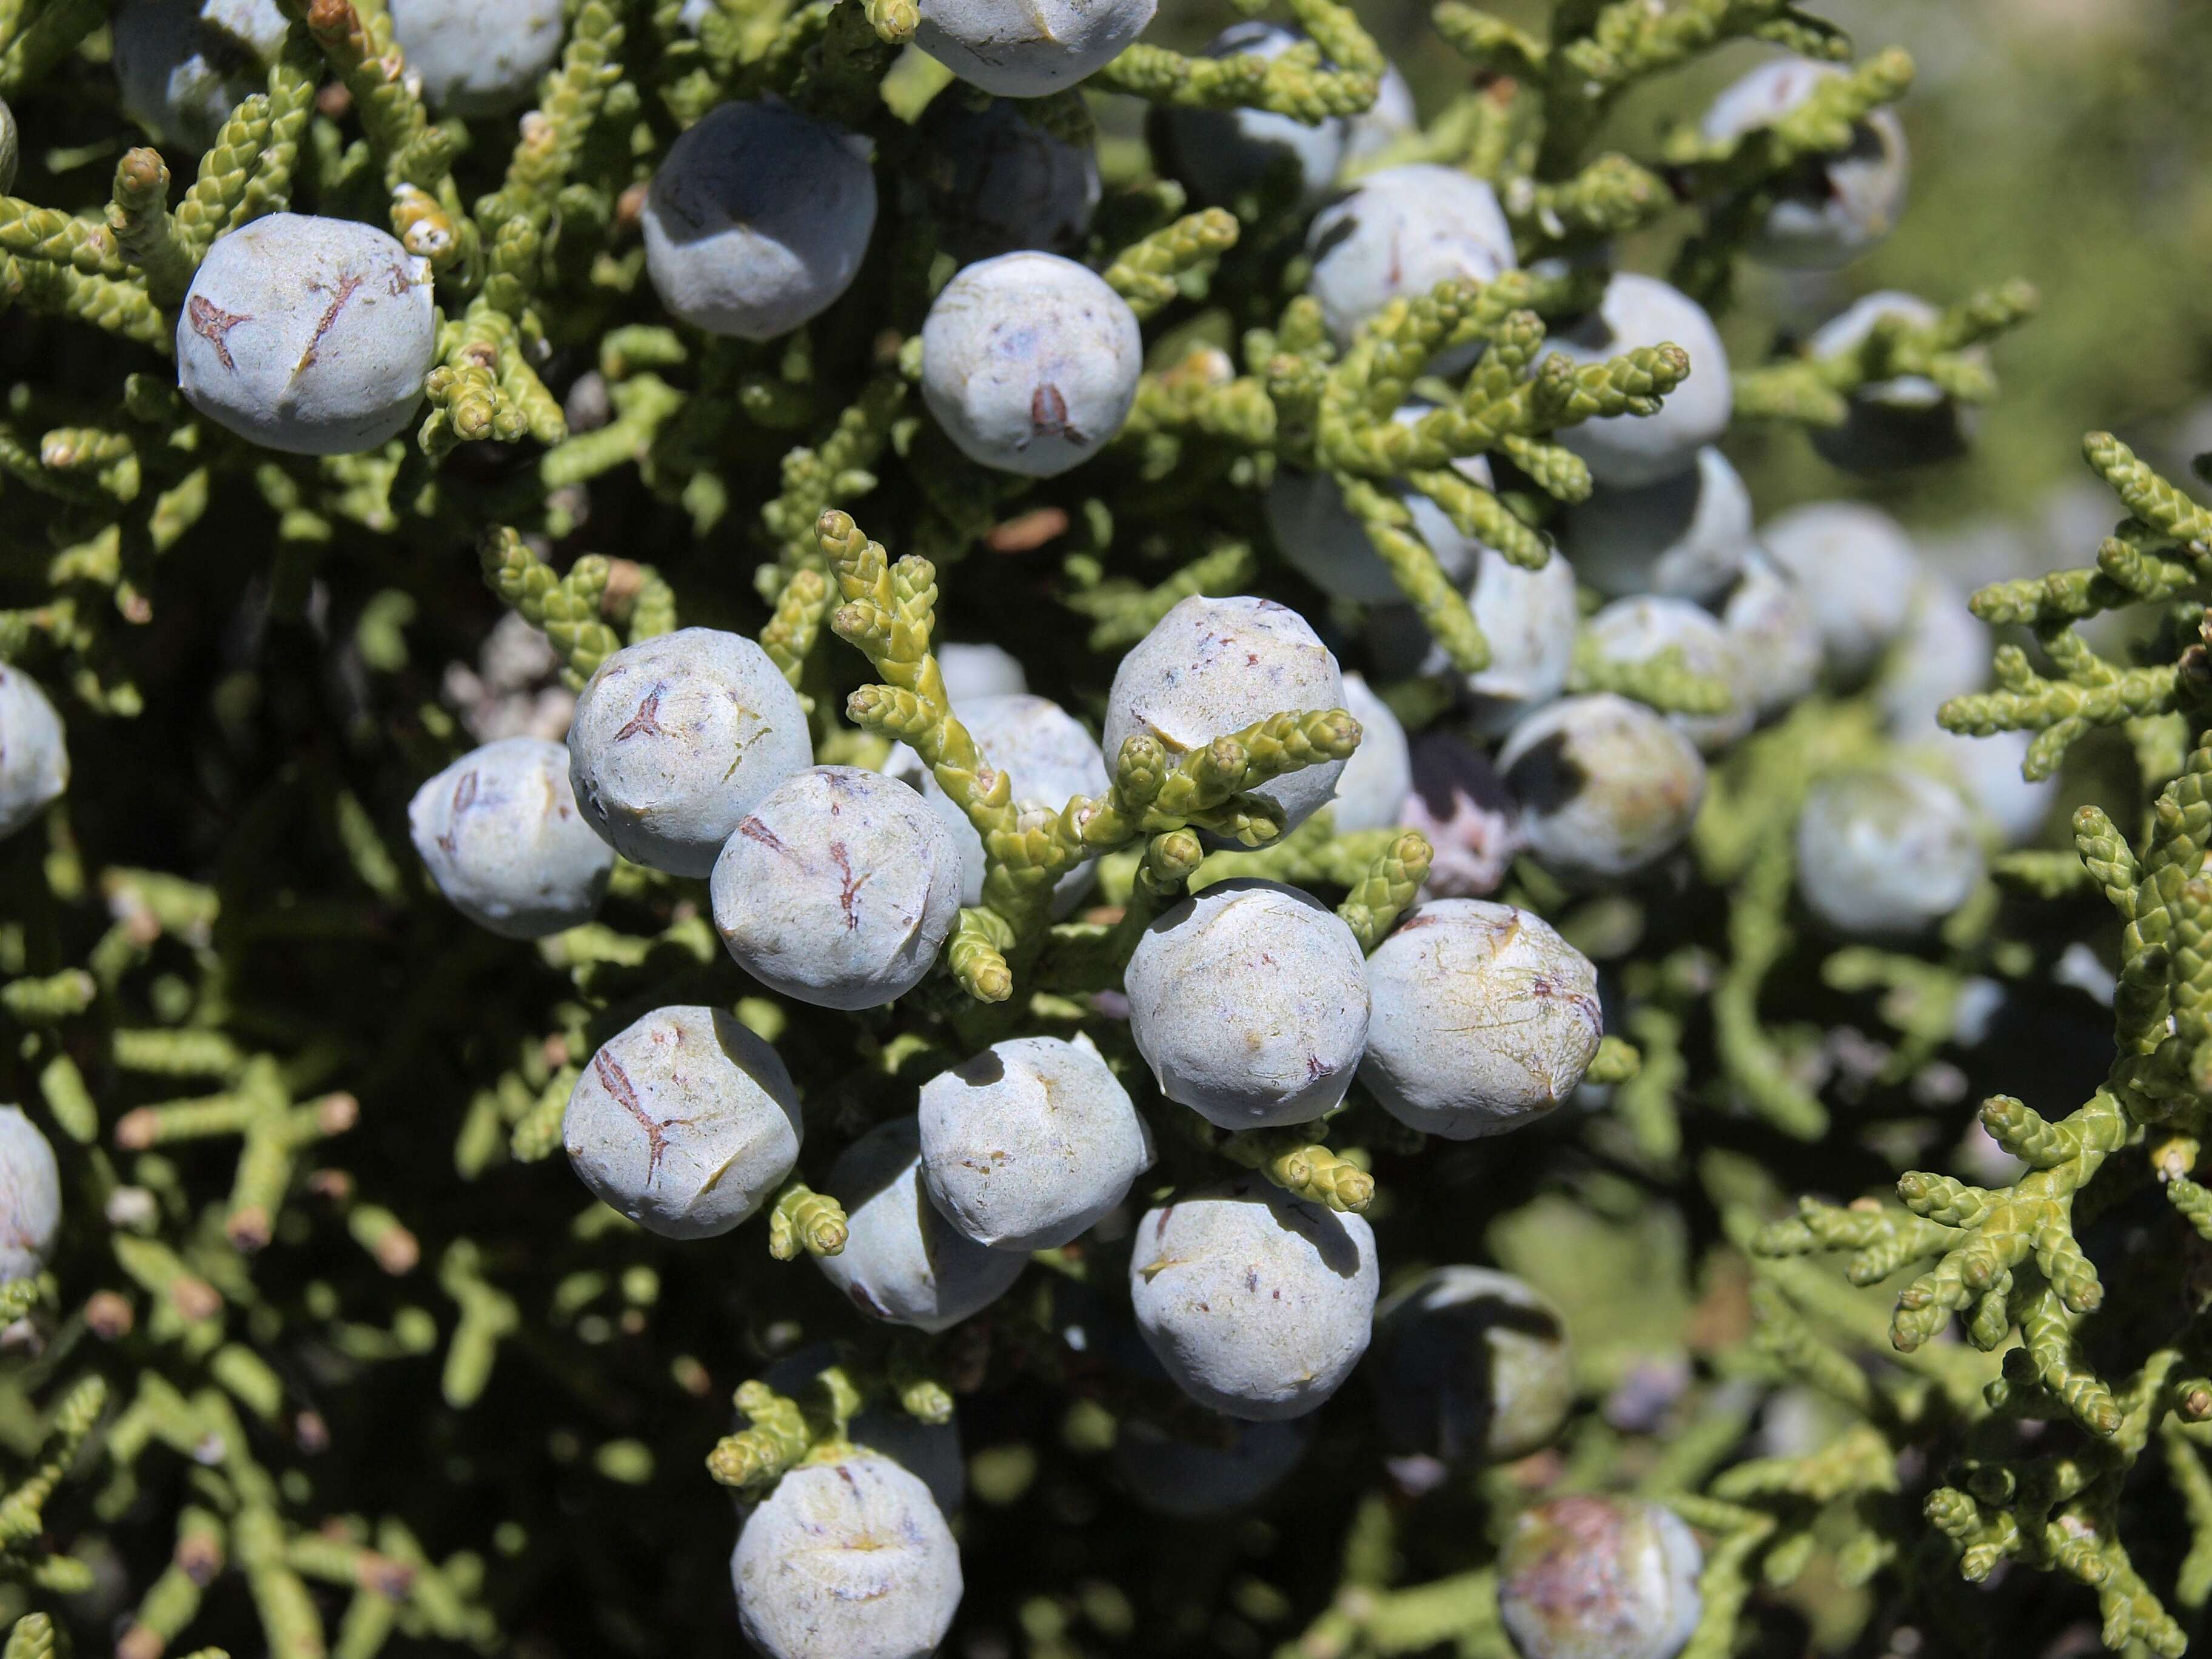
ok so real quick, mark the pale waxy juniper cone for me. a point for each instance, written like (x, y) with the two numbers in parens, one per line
(902, 1261)
(1595, 1577)
(306, 335)
(1030, 362)
(1250, 1003)
(1844, 203)
(1623, 451)
(849, 1559)
(30, 1196)
(756, 221)
(684, 1122)
(34, 764)
(500, 832)
(1222, 154)
(1683, 536)
(675, 739)
(1258, 1303)
(1028, 1145)
(1471, 1365)
(838, 887)
(477, 56)
(1046, 666)
(1482, 1019)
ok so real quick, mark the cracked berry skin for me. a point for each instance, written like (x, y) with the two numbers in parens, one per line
(904, 1262)
(35, 764)
(684, 1122)
(1257, 1304)
(675, 739)
(477, 56)
(1483, 1019)
(1030, 362)
(30, 1196)
(849, 1559)
(1249, 1001)
(307, 335)
(838, 889)
(500, 832)
(1025, 1145)
(1598, 1577)
(757, 220)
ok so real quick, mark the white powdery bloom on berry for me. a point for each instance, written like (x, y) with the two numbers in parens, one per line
(1371, 790)
(1028, 1144)
(477, 56)
(1027, 51)
(1221, 154)
(850, 1559)
(1030, 362)
(757, 220)
(1595, 1577)
(675, 739)
(1483, 1019)
(1398, 233)
(1684, 536)
(1908, 420)
(1885, 852)
(306, 335)
(1211, 668)
(838, 889)
(30, 1196)
(34, 764)
(1330, 548)
(1607, 786)
(684, 1122)
(1529, 618)
(1943, 652)
(978, 670)
(902, 1261)
(1636, 630)
(1194, 1480)
(1857, 569)
(182, 66)
(1257, 1304)
(1250, 1003)
(1777, 640)
(1047, 755)
(1846, 203)
(998, 181)
(1627, 450)
(1987, 771)
(1471, 1365)
(500, 832)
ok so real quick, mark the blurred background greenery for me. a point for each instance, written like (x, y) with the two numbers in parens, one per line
(2068, 142)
